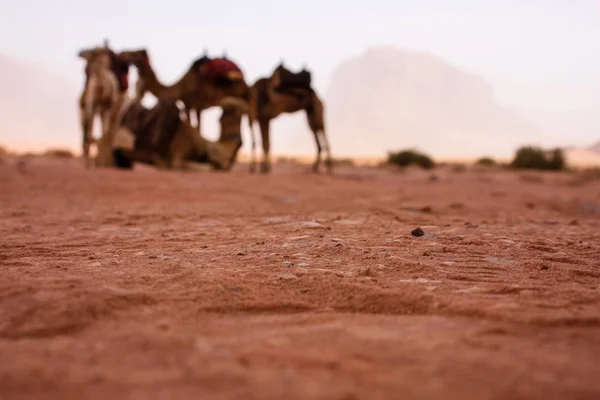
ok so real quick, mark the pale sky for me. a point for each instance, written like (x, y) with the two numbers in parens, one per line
(541, 56)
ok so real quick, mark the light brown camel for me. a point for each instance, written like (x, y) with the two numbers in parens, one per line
(285, 92)
(158, 136)
(103, 94)
(201, 87)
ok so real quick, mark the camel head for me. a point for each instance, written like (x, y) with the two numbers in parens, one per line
(139, 58)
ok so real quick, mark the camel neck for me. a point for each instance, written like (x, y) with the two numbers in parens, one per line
(154, 86)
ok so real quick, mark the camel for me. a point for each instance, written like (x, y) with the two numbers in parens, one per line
(160, 137)
(286, 92)
(103, 93)
(204, 84)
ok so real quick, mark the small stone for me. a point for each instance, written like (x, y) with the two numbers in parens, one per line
(152, 256)
(469, 225)
(312, 225)
(288, 277)
(140, 253)
(417, 232)
(287, 264)
(427, 254)
(449, 263)
(166, 258)
(298, 237)
(426, 209)
(338, 240)
(204, 246)
(240, 253)
(366, 272)
(545, 268)
(304, 265)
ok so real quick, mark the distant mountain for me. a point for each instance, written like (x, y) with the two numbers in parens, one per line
(37, 109)
(595, 148)
(389, 98)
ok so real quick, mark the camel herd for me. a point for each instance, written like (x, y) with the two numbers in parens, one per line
(163, 135)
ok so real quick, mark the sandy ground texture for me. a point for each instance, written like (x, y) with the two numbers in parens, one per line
(163, 285)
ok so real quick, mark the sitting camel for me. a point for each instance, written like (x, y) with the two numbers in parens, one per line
(287, 92)
(204, 84)
(103, 94)
(159, 137)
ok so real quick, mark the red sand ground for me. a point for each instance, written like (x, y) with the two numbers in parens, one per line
(160, 285)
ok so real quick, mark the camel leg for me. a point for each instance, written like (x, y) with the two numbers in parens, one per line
(105, 146)
(265, 166)
(325, 145)
(198, 120)
(253, 151)
(86, 126)
(314, 127)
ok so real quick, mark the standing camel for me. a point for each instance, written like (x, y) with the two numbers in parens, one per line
(103, 94)
(204, 84)
(286, 92)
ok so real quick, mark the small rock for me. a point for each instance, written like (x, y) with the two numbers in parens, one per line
(426, 209)
(140, 253)
(298, 237)
(240, 253)
(417, 232)
(166, 258)
(427, 254)
(152, 256)
(287, 264)
(304, 265)
(545, 268)
(449, 263)
(469, 225)
(204, 246)
(337, 240)
(366, 272)
(312, 225)
(288, 277)
(507, 241)
(574, 222)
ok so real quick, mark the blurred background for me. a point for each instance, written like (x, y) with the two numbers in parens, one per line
(457, 79)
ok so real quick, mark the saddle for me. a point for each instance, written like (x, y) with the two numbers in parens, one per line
(218, 70)
(286, 81)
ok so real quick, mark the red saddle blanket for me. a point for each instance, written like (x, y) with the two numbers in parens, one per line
(221, 68)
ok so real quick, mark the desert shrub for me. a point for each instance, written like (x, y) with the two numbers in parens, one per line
(405, 158)
(530, 157)
(486, 162)
(59, 153)
(342, 162)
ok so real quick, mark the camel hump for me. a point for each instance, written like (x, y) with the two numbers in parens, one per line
(220, 68)
(283, 79)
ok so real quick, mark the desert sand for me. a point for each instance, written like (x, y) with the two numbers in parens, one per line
(165, 285)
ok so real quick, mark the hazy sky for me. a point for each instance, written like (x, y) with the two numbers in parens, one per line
(541, 56)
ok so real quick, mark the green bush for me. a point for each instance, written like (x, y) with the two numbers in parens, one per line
(59, 153)
(530, 157)
(486, 161)
(405, 158)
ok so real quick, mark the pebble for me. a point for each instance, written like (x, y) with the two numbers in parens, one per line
(304, 265)
(417, 232)
(152, 256)
(166, 258)
(288, 277)
(337, 240)
(366, 272)
(312, 225)
(140, 253)
(288, 264)
(427, 254)
(298, 237)
(240, 253)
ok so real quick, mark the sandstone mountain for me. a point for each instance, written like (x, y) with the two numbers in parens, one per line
(388, 98)
(37, 108)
